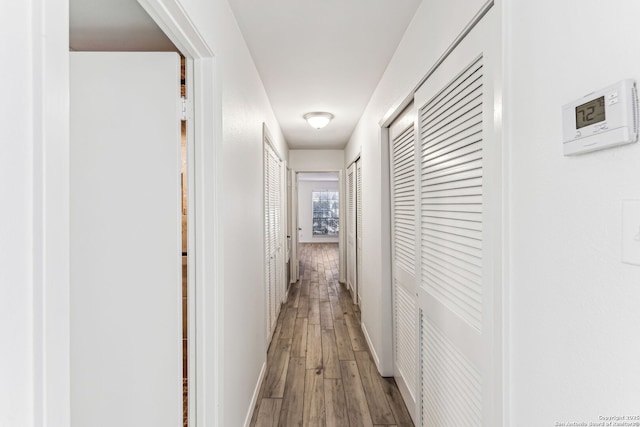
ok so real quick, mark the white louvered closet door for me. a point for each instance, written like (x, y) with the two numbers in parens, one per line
(268, 243)
(402, 135)
(277, 230)
(272, 187)
(458, 230)
(359, 234)
(351, 228)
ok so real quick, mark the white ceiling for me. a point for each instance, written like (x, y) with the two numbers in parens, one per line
(321, 55)
(312, 55)
(114, 25)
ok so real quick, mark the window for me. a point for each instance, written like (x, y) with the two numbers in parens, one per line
(326, 206)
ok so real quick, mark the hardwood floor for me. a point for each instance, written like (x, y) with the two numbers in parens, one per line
(319, 370)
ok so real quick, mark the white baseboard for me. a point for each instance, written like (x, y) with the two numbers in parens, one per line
(376, 359)
(256, 392)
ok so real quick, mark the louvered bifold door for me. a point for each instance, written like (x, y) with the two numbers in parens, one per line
(268, 244)
(351, 227)
(274, 217)
(405, 311)
(455, 120)
(277, 232)
(272, 229)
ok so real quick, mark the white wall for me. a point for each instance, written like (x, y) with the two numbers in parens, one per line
(34, 292)
(316, 160)
(245, 107)
(434, 27)
(575, 318)
(16, 192)
(305, 214)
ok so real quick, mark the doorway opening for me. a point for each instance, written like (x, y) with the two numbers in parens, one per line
(317, 213)
(173, 194)
(318, 207)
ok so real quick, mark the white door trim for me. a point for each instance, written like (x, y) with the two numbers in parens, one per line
(50, 390)
(205, 219)
(342, 238)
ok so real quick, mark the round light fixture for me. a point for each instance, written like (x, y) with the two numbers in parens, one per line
(318, 120)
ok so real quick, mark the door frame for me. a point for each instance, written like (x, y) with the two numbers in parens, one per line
(205, 216)
(51, 312)
(342, 212)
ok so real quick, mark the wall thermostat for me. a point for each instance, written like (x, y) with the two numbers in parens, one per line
(602, 119)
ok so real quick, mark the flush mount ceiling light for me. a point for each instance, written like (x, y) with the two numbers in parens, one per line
(318, 120)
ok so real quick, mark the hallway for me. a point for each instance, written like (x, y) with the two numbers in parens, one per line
(319, 370)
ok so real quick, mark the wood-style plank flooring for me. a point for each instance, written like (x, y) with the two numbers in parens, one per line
(319, 369)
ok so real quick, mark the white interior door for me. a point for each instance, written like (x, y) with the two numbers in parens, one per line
(402, 135)
(351, 228)
(270, 244)
(459, 169)
(126, 352)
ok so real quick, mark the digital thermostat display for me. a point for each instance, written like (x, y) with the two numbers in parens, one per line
(590, 113)
(602, 119)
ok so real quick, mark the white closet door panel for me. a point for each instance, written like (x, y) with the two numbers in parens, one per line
(467, 340)
(451, 169)
(468, 78)
(459, 296)
(458, 401)
(456, 198)
(458, 234)
(450, 143)
(463, 177)
(279, 259)
(462, 238)
(462, 186)
(125, 241)
(452, 191)
(351, 228)
(405, 279)
(403, 200)
(274, 263)
(456, 266)
(453, 155)
(450, 113)
(406, 340)
(463, 119)
(452, 222)
(268, 243)
(462, 216)
(453, 254)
